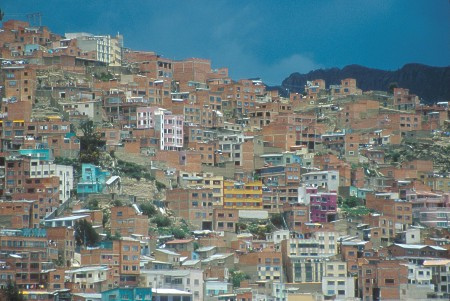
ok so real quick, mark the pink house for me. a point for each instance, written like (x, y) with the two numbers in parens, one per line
(322, 206)
(168, 125)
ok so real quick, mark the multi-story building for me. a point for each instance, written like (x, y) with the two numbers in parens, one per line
(314, 88)
(28, 253)
(89, 279)
(18, 214)
(128, 220)
(19, 82)
(347, 87)
(225, 219)
(121, 256)
(170, 128)
(305, 259)
(264, 265)
(275, 197)
(238, 195)
(403, 100)
(440, 271)
(43, 169)
(335, 281)
(382, 280)
(419, 283)
(108, 49)
(194, 205)
(296, 215)
(92, 180)
(328, 180)
(185, 280)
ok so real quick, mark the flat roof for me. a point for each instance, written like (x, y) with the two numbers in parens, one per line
(169, 291)
(88, 269)
(165, 251)
(67, 218)
(407, 246)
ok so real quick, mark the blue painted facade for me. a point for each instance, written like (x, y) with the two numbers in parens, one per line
(38, 153)
(128, 294)
(92, 180)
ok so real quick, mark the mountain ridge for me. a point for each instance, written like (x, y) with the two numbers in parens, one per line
(432, 84)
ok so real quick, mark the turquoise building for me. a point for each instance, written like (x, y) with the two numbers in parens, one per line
(92, 180)
(128, 294)
(37, 153)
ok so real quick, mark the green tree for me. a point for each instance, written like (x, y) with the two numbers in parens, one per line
(148, 209)
(392, 86)
(93, 204)
(178, 233)
(277, 220)
(91, 143)
(11, 292)
(260, 230)
(85, 234)
(351, 202)
(237, 277)
(161, 221)
(117, 203)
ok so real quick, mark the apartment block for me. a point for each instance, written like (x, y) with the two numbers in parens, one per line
(238, 195)
(28, 252)
(121, 256)
(336, 283)
(382, 280)
(194, 205)
(265, 265)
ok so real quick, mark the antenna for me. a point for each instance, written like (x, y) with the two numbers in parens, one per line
(33, 18)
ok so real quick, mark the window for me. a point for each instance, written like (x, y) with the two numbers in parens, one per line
(388, 281)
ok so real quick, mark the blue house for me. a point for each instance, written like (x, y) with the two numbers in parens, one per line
(128, 294)
(93, 179)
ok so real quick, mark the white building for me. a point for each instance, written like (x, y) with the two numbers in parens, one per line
(420, 285)
(277, 236)
(326, 179)
(44, 169)
(108, 49)
(90, 108)
(336, 283)
(184, 280)
(89, 278)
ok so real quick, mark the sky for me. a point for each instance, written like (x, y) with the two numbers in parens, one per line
(269, 39)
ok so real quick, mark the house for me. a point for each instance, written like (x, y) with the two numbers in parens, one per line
(93, 180)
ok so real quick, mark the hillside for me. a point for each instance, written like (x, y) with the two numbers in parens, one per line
(432, 84)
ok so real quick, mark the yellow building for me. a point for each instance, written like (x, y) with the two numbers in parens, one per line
(205, 180)
(238, 195)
